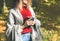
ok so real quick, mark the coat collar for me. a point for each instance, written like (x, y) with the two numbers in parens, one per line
(18, 14)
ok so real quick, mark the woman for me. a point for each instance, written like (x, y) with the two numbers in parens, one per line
(22, 24)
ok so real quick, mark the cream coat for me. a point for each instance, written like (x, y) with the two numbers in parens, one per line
(14, 22)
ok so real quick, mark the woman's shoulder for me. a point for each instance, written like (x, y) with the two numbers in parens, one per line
(31, 8)
(11, 9)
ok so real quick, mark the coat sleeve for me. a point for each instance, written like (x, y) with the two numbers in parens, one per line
(38, 29)
(11, 24)
(37, 26)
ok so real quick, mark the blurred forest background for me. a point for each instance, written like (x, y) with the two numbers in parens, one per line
(47, 11)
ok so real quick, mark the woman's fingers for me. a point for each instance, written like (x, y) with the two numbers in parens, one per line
(29, 23)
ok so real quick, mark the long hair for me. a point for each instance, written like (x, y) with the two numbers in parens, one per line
(15, 2)
(29, 4)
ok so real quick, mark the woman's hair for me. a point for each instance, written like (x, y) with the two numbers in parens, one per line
(15, 2)
(29, 4)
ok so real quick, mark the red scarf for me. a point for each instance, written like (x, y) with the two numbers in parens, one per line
(26, 13)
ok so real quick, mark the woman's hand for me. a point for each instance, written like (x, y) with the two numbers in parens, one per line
(22, 27)
(29, 22)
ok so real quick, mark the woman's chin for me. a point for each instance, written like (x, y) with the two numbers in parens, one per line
(25, 3)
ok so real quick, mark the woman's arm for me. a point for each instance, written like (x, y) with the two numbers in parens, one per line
(37, 25)
(34, 16)
(10, 23)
